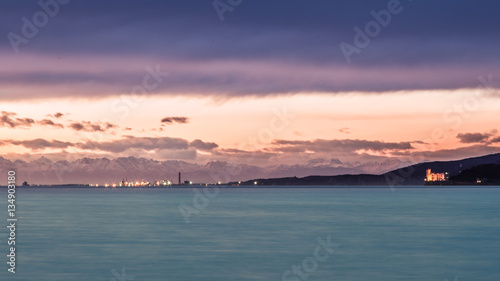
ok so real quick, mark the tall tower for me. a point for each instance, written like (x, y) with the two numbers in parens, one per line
(179, 177)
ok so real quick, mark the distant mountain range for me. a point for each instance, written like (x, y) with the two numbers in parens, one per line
(102, 170)
(412, 175)
(315, 172)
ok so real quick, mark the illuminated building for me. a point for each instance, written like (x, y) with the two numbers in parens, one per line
(430, 176)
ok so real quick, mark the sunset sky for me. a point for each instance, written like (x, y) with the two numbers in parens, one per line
(262, 80)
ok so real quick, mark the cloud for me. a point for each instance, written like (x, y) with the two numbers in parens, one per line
(130, 142)
(87, 126)
(161, 147)
(449, 154)
(239, 77)
(172, 120)
(495, 140)
(77, 126)
(313, 36)
(257, 157)
(473, 137)
(201, 145)
(275, 55)
(56, 115)
(345, 130)
(478, 137)
(38, 144)
(8, 119)
(188, 154)
(289, 151)
(48, 122)
(344, 146)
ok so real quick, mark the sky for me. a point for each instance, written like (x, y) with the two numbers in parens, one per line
(255, 82)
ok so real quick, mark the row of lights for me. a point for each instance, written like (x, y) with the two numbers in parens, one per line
(137, 183)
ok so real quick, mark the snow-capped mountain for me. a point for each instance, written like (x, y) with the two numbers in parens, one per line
(101, 170)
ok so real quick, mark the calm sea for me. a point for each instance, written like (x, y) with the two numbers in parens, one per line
(255, 234)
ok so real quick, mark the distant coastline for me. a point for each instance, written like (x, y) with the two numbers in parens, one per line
(477, 171)
(444, 186)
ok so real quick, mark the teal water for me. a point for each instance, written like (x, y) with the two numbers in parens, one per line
(255, 234)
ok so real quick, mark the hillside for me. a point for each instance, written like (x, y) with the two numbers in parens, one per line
(487, 174)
